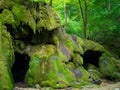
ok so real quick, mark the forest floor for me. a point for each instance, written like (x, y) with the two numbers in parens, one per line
(105, 85)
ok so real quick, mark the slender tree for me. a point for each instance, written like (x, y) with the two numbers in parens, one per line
(84, 16)
(65, 15)
(51, 3)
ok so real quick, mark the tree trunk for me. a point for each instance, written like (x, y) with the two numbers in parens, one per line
(51, 3)
(65, 15)
(84, 16)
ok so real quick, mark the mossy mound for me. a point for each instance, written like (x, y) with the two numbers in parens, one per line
(57, 60)
(47, 69)
(109, 67)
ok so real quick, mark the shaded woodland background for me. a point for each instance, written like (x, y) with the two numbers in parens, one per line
(97, 20)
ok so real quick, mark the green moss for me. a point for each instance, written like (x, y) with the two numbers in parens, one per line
(117, 63)
(6, 59)
(43, 50)
(9, 19)
(90, 45)
(47, 69)
(71, 66)
(26, 16)
(73, 45)
(56, 40)
(6, 46)
(51, 73)
(95, 74)
(83, 79)
(80, 45)
(69, 43)
(85, 75)
(6, 4)
(62, 57)
(46, 18)
(77, 59)
(107, 65)
(6, 82)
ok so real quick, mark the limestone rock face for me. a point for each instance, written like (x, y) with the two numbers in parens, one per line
(54, 58)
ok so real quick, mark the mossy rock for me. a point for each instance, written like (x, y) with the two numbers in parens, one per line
(6, 47)
(47, 69)
(85, 75)
(90, 45)
(6, 81)
(108, 67)
(64, 51)
(94, 72)
(71, 44)
(6, 4)
(56, 64)
(77, 60)
(71, 66)
(117, 63)
(26, 17)
(9, 19)
(80, 45)
(6, 59)
(47, 18)
(82, 77)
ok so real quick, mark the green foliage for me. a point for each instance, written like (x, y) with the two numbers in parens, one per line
(77, 60)
(74, 27)
(103, 20)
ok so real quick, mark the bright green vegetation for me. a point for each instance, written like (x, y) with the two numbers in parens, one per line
(101, 19)
(32, 29)
(6, 59)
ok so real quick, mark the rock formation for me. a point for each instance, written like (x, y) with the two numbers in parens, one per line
(35, 49)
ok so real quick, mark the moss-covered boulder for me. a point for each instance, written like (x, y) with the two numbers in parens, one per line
(46, 68)
(94, 72)
(77, 59)
(57, 60)
(6, 59)
(47, 18)
(108, 66)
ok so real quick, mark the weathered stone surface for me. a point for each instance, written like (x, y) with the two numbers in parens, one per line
(56, 58)
(47, 69)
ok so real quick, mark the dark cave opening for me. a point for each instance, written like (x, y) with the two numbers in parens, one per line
(20, 67)
(91, 57)
(43, 37)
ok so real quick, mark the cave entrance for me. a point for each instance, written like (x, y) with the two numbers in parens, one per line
(91, 57)
(20, 67)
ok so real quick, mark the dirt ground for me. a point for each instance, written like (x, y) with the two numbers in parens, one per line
(105, 85)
